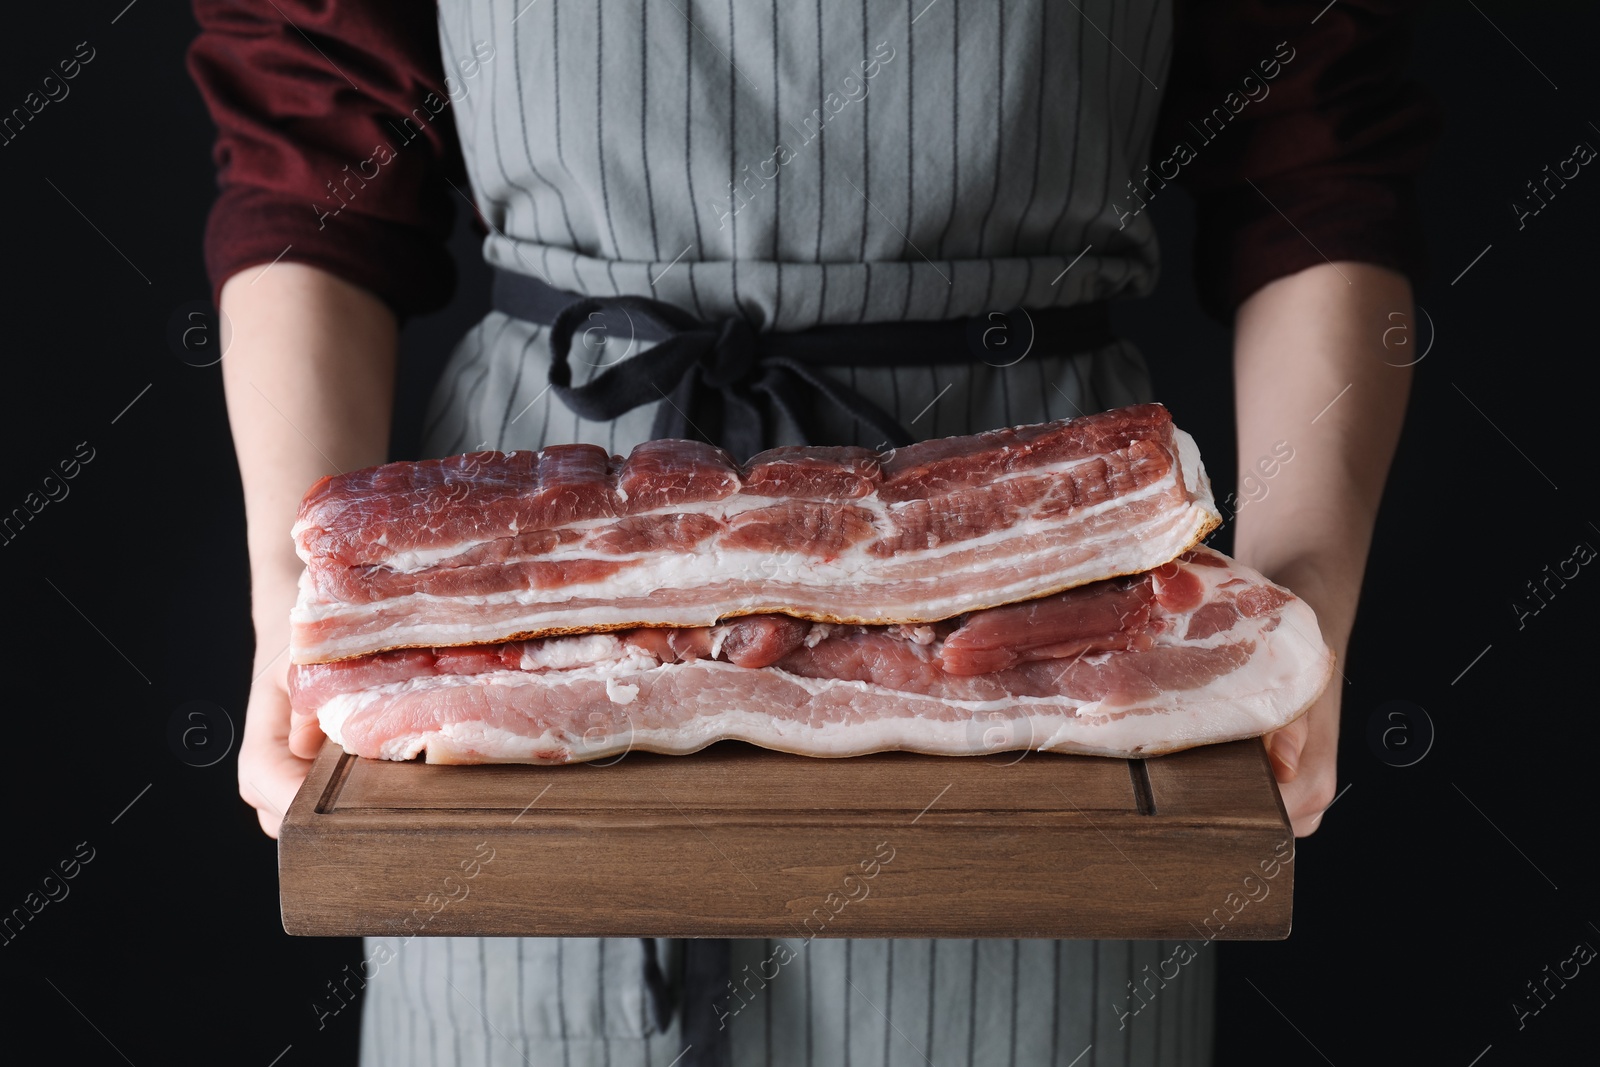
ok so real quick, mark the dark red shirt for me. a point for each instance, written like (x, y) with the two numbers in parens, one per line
(1320, 168)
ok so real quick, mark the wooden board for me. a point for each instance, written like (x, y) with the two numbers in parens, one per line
(736, 841)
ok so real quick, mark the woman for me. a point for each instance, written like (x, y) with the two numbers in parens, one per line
(772, 170)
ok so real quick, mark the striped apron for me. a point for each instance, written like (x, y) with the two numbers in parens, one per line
(792, 165)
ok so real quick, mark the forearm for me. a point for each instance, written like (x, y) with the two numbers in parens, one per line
(309, 380)
(1299, 343)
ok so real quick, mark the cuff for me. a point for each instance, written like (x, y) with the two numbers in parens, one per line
(1251, 236)
(409, 270)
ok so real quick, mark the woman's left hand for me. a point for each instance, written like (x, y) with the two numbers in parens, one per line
(1305, 759)
(1305, 753)
(1320, 400)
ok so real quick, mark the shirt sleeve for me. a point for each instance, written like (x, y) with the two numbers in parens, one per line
(1297, 132)
(335, 143)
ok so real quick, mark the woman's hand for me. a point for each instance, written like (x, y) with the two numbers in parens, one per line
(1320, 402)
(1305, 760)
(275, 754)
(1305, 754)
(270, 773)
(308, 370)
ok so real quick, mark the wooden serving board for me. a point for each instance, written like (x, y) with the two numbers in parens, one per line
(736, 841)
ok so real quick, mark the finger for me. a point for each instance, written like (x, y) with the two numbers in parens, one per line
(1309, 796)
(274, 789)
(305, 735)
(1284, 747)
(269, 774)
(1308, 822)
(268, 801)
(1304, 817)
(270, 823)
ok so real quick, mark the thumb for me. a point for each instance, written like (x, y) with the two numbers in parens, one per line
(1284, 747)
(305, 735)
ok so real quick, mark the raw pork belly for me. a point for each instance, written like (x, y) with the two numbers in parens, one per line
(1200, 650)
(490, 547)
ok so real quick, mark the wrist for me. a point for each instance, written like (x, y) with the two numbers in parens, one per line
(274, 587)
(1319, 553)
(1330, 587)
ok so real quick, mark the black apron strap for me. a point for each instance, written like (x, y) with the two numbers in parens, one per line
(707, 975)
(719, 382)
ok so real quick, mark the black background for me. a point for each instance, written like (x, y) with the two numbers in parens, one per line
(1431, 895)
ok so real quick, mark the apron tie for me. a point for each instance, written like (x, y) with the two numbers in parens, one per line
(725, 382)
(712, 377)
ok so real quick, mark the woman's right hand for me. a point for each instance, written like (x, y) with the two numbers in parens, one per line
(269, 772)
(278, 746)
(308, 372)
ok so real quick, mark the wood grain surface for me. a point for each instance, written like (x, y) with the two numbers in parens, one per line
(736, 841)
